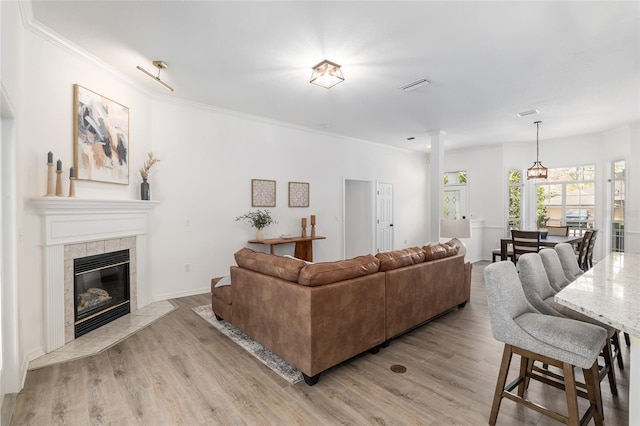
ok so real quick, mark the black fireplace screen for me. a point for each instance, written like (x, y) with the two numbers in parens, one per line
(101, 289)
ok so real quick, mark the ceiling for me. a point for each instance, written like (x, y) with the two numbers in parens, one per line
(577, 62)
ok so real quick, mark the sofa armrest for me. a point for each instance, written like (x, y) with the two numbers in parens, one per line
(312, 328)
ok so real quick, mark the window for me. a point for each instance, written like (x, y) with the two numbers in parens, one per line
(617, 206)
(454, 204)
(516, 187)
(567, 197)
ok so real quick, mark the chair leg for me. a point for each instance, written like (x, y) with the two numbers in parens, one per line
(593, 391)
(571, 394)
(609, 361)
(615, 339)
(502, 380)
(627, 340)
(526, 366)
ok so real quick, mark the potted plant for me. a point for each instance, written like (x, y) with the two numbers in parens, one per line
(542, 222)
(259, 219)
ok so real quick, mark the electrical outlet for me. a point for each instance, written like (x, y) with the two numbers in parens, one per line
(187, 267)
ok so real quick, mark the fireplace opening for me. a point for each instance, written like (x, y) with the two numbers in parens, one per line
(101, 290)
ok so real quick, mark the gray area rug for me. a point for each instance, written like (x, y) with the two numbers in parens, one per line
(268, 358)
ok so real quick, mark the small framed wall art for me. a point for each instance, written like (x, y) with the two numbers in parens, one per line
(263, 193)
(298, 194)
(100, 137)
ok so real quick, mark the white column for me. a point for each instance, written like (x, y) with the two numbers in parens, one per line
(437, 184)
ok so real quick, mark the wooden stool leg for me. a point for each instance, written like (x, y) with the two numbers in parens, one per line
(571, 393)
(615, 339)
(592, 381)
(502, 380)
(609, 361)
(526, 365)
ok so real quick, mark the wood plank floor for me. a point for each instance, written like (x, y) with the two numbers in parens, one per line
(181, 371)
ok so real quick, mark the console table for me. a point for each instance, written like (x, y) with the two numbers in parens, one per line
(303, 249)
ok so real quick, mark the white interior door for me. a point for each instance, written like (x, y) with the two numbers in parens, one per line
(384, 217)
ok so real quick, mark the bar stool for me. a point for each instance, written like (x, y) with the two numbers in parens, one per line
(555, 274)
(568, 260)
(561, 342)
(558, 281)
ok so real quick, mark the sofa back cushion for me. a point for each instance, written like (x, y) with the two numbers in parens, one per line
(399, 258)
(276, 266)
(330, 272)
(439, 251)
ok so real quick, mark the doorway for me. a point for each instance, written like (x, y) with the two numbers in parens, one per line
(368, 217)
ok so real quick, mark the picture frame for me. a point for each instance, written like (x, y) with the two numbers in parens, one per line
(298, 194)
(263, 193)
(100, 137)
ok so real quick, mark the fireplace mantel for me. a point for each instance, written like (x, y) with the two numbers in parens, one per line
(67, 221)
(71, 220)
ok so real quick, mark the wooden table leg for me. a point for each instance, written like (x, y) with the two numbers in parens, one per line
(304, 250)
(503, 249)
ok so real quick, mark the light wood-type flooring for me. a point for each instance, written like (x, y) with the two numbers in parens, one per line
(181, 371)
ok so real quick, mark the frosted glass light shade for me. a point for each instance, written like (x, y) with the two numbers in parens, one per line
(326, 74)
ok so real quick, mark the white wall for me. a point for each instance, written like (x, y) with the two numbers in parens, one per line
(208, 160)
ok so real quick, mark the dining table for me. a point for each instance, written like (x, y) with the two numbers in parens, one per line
(549, 241)
(610, 293)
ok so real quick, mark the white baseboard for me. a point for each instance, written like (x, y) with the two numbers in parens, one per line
(185, 293)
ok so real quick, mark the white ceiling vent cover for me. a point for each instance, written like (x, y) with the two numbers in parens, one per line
(414, 85)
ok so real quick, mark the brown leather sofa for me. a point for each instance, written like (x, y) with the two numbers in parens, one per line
(315, 316)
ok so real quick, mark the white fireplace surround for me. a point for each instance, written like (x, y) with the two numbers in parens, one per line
(70, 221)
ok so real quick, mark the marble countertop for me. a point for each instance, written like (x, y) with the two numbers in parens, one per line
(608, 292)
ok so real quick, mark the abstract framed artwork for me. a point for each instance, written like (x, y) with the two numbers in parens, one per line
(263, 193)
(298, 194)
(100, 137)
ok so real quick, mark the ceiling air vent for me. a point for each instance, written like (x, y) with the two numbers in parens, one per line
(525, 113)
(415, 85)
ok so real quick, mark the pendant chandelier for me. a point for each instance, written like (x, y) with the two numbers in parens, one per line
(537, 171)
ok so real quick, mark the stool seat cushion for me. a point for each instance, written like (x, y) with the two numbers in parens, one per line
(563, 339)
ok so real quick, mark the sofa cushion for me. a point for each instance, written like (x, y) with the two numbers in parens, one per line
(451, 247)
(434, 251)
(222, 293)
(330, 272)
(269, 264)
(399, 258)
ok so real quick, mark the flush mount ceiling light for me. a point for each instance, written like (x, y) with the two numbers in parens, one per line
(414, 85)
(537, 171)
(161, 66)
(326, 74)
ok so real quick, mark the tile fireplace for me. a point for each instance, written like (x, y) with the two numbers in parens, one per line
(77, 228)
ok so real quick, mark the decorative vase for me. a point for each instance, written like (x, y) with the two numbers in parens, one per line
(260, 234)
(145, 192)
